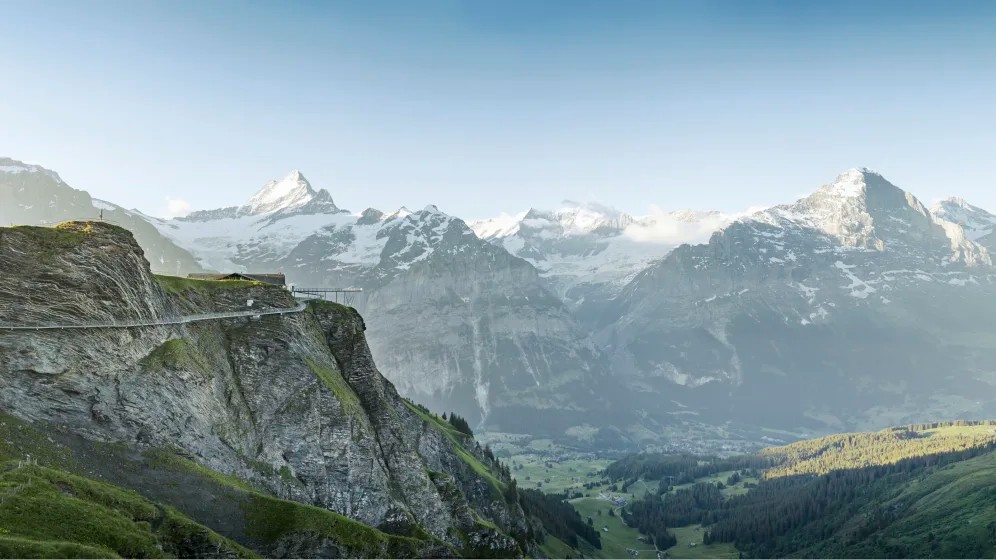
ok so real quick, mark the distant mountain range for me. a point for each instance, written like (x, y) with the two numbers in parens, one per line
(853, 307)
(589, 252)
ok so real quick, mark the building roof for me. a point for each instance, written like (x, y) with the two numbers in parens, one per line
(269, 278)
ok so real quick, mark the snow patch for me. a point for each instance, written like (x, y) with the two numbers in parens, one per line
(26, 168)
(859, 288)
(850, 184)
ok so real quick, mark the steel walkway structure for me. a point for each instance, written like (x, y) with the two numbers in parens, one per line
(180, 320)
(327, 294)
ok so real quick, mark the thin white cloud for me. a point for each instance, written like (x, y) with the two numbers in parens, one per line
(176, 208)
(678, 228)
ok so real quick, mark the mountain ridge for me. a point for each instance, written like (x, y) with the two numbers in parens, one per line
(531, 318)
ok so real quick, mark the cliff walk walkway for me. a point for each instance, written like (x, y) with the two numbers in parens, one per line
(179, 320)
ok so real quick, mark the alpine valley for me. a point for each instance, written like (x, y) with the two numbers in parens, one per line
(853, 308)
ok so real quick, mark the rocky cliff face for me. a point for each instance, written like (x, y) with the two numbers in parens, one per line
(464, 325)
(854, 307)
(292, 404)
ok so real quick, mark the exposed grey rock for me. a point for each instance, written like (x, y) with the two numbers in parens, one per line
(293, 404)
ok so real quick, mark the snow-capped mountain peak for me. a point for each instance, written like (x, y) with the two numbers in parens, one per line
(588, 217)
(976, 222)
(13, 166)
(571, 219)
(402, 212)
(850, 183)
(290, 193)
(860, 209)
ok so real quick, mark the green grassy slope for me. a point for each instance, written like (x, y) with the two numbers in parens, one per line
(947, 513)
(46, 512)
(54, 512)
(459, 440)
(553, 547)
(916, 491)
(618, 540)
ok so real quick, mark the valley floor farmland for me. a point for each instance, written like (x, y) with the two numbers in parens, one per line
(553, 470)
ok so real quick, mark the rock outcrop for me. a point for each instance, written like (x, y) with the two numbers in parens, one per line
(292, 405)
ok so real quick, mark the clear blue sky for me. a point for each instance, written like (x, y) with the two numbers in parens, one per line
(483, 107)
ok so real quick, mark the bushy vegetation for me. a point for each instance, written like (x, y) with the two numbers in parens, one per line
(176, 354)
(558, 517)
(330, 306)
(51, 241)
(785, 514)
(270, 519)
(678, 469)
(13, 547)
(460, 423)
(698, 504)
(334, 381)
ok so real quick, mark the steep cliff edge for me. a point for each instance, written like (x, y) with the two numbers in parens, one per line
(285, 409)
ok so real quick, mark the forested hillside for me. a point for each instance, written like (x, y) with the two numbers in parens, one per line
(916, 491)
(849, 451)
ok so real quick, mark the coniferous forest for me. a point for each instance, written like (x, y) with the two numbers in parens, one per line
(891, 493)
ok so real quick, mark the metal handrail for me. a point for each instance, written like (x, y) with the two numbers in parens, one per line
(180, 320)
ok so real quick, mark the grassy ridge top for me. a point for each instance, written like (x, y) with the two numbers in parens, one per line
(68, 232)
